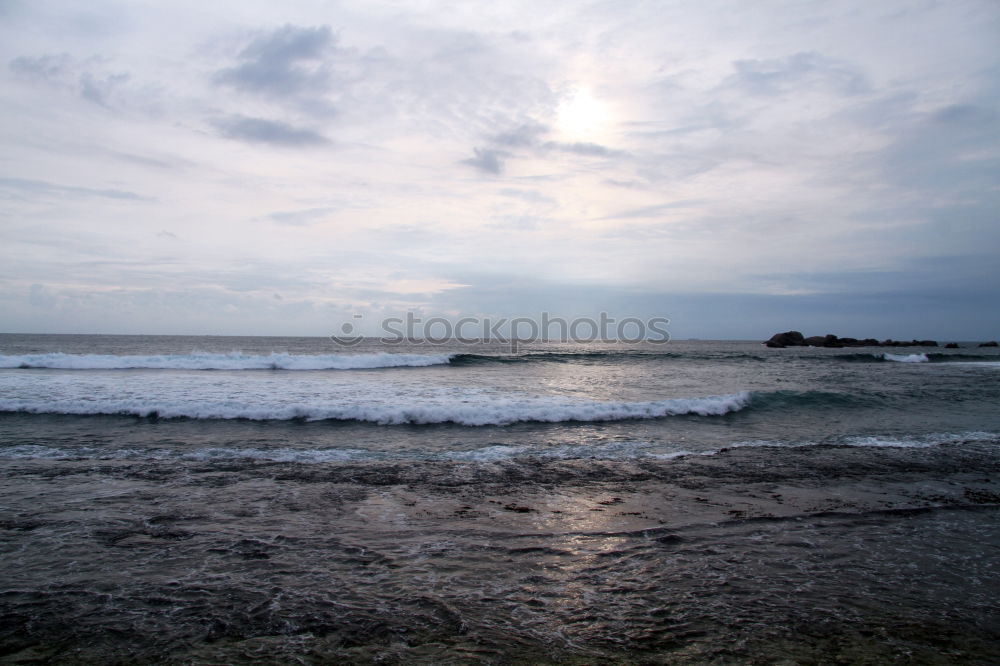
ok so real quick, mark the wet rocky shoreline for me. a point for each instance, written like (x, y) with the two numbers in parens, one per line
(821, 554)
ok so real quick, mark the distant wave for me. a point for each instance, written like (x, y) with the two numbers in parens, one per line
(614, 356)
(284, 361)
(929, 357)
(230, 361)
(906, 358)
(792, 400)
(473, 413)
(236, 360)
(611, 355)
(983, 364)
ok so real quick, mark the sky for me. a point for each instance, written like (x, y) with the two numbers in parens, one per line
(741, 168)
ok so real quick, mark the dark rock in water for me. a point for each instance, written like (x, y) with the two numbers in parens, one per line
(795, 339)
(852, 342)
(991, 343)
(786, 339)
(951, 345)
(911, 343)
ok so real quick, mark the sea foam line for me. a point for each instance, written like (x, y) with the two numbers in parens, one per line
(231, 361)
(625, 450)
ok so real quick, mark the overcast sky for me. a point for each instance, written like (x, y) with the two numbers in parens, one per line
(275, 168)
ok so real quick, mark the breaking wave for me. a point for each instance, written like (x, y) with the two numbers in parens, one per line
(500, 411)
(928, 357)
(906, 358)
(467, 408)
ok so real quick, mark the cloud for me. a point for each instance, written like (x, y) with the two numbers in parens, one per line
(627, 184)
(145, 161)
(530, 137)
(526, 135)
(299, 217)
(800, 140)
(965, 115)
(948, 154)
(21, 185)
(39, 296)
(97, 90)
(288, 61)
(62, 70)
(259, 130)
(488, 160)
(533, 196)
(778, 76)
(650, 211)
(46, 67)
(583, 148)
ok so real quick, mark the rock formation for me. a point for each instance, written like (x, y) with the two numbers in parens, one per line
(796, 339)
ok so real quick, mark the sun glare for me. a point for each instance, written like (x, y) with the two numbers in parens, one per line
(582, 116)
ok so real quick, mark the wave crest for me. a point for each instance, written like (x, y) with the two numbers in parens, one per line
(496, 412)
(906, 358)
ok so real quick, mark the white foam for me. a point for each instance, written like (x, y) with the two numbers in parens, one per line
(279, 455)
(881, 441)
(605, 451)
(906, 358)
(624, 450)
(922, 441)
(499, 410)
(231, 361)
(765, 443)
(493, 453)
(36, 452)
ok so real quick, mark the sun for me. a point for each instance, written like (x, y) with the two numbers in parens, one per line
(581, 116)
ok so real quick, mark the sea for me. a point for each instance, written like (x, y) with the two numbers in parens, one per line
(180, 499)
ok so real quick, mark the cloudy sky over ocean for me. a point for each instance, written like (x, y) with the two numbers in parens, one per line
(264, 168)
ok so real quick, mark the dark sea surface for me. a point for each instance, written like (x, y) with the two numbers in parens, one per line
(289, 500)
